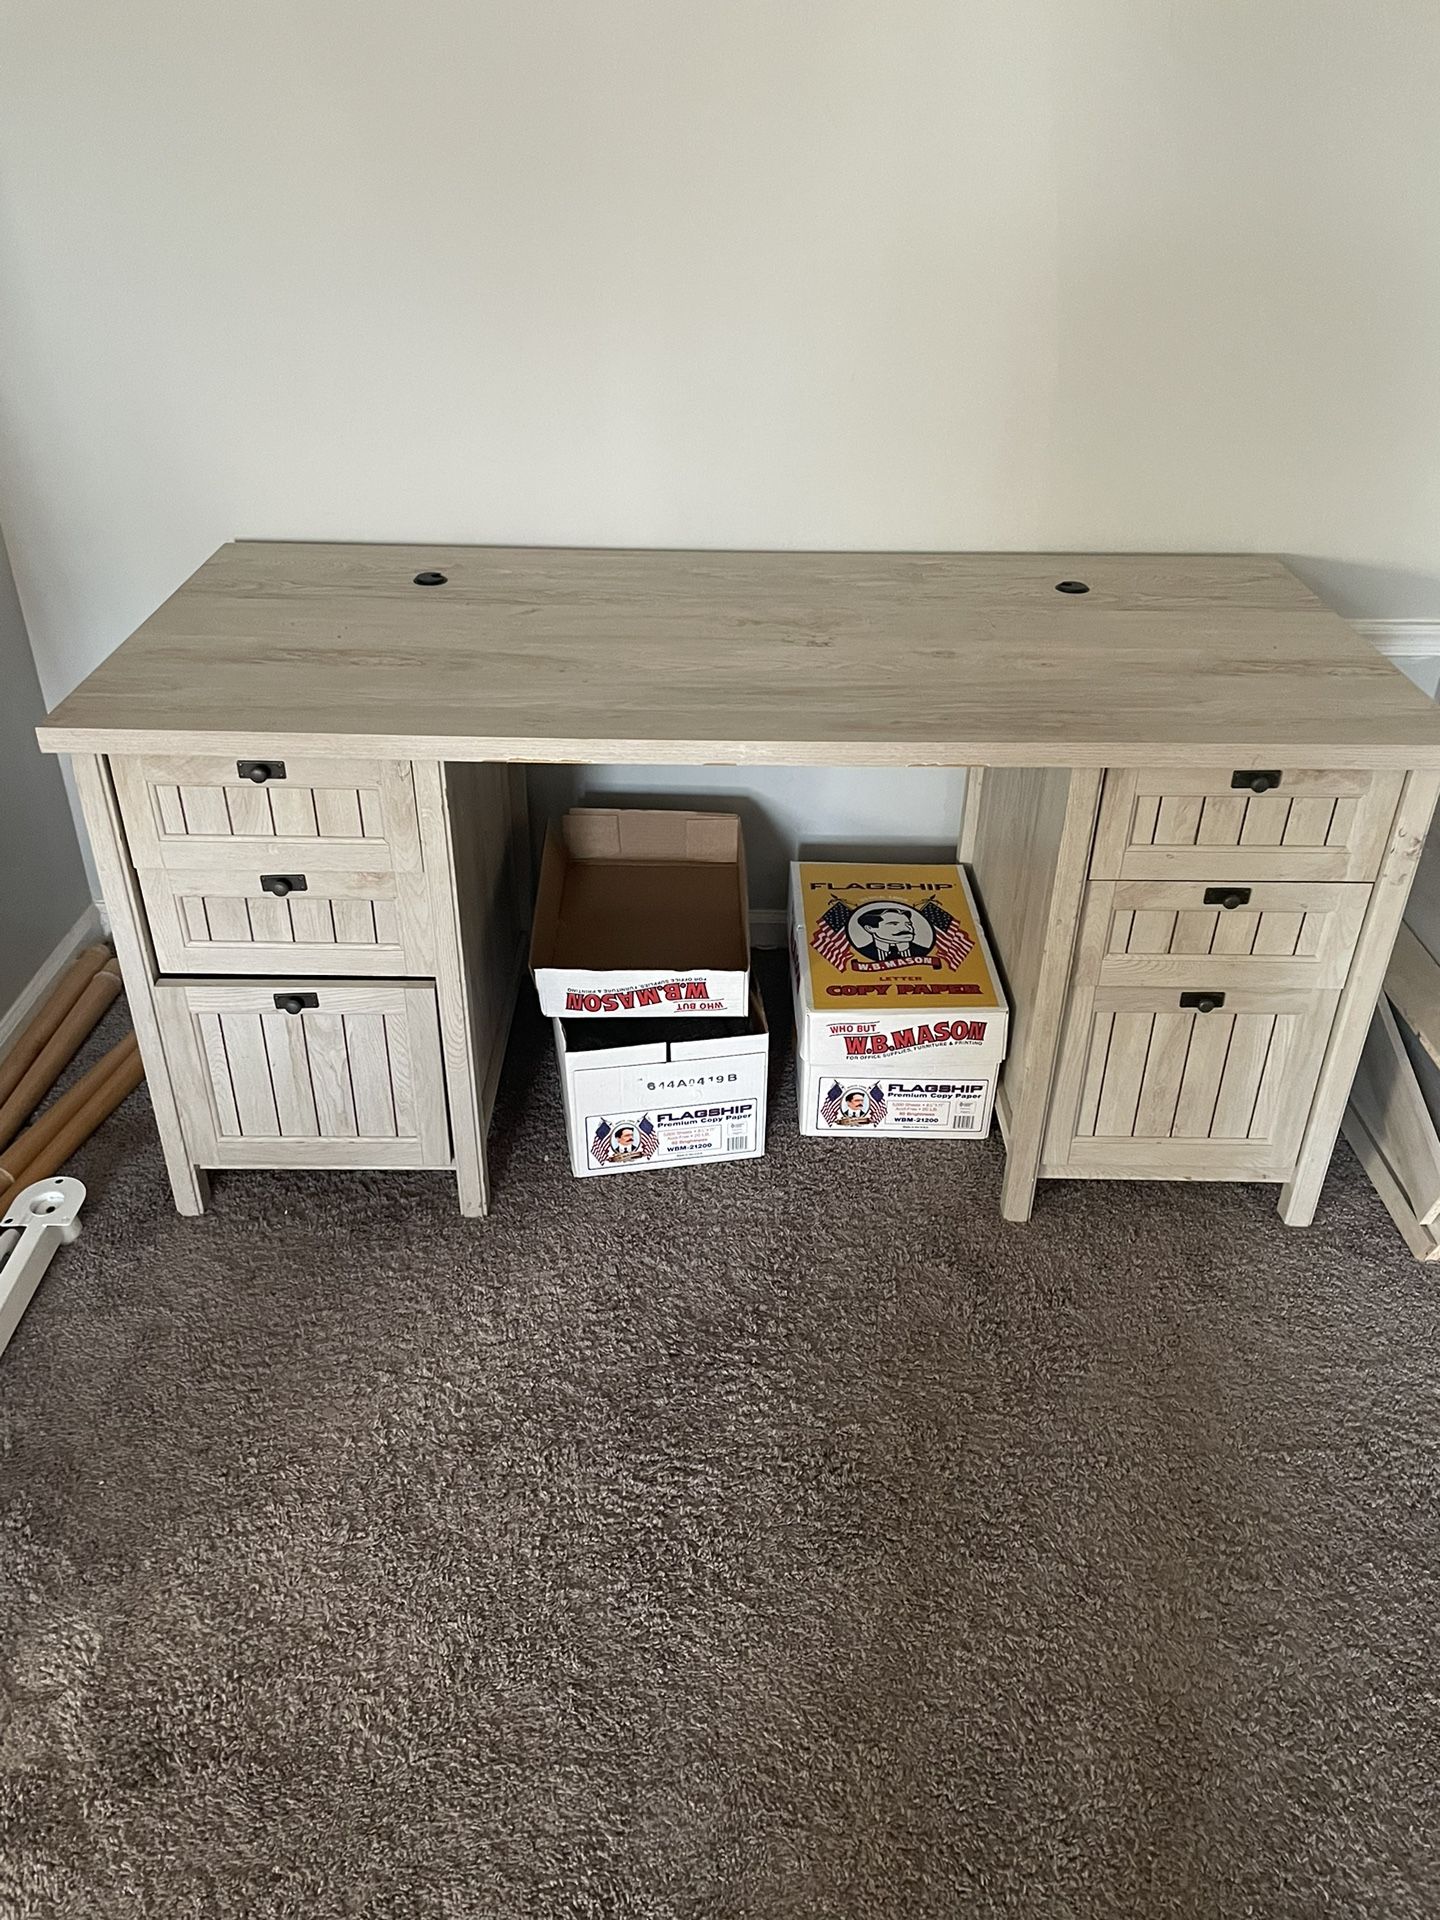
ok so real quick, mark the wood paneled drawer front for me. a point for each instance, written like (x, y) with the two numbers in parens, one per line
(1175, 823)
(307, 1072)
(268, 815)
(1272, 933)
(311, 920)
(1150, 1088)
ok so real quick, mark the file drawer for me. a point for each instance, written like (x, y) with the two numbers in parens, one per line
(1243, 823)
(306, 1072)
(1159, 1084)
(319, 920)
(1284, 933)
(268, 815)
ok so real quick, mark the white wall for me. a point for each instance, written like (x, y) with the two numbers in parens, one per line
(833, 273)
(1423, 669)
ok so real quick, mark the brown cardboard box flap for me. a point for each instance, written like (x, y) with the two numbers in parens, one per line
(619, 833)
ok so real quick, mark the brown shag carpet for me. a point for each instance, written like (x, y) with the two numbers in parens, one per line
(781, 1541)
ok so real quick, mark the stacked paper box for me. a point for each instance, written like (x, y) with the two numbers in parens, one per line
(641, 955)
(900, 1021)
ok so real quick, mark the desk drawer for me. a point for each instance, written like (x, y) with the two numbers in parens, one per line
(268, 815)
(1152, 1086)
(306, 1072)
(228, 920)
(1265, 934)
(1307, 824)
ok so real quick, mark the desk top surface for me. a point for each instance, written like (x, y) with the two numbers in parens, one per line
(877, 659)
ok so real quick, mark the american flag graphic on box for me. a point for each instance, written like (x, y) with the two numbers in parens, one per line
(830, 939)
(609, 1150)
(953, 944)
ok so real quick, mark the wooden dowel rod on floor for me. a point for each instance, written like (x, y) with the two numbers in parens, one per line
(57, 1117)
(58, 1051)
(92, 1099)
(47, 1017)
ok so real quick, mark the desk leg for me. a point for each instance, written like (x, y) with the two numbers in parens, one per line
(189, 1183)
(457, 1037)
(970, 819)
(1029, 845)
(475, 836)
(1301, 1193)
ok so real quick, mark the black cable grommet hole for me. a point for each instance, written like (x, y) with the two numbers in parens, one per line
(430, 579)
(1071, 586)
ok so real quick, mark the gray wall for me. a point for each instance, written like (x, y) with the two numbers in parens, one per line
(43, 889)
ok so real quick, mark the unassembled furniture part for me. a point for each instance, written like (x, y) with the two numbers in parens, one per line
(1393, 1119)
(40, 1218)
(49, 1043)
(43, 1025)
(1202, 801)
(48, 1142)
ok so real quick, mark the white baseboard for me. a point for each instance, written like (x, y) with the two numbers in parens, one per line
(86, 930)
(1402, 639)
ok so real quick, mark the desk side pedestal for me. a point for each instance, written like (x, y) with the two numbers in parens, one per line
(315, 887)
(1192, 959)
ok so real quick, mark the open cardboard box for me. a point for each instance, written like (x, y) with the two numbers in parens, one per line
(642, 911)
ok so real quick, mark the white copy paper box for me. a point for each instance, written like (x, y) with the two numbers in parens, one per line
(942, 1095)
(900, 1021)
(662, 1101)
(642, 912)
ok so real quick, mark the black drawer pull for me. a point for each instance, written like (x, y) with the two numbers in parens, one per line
(1228, 897)
(296, 1002)
(1202, 1002)
(282, 883)
(1257, 779)
(260, 770)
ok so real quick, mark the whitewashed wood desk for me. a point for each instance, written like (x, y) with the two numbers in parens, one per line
(1201, 804)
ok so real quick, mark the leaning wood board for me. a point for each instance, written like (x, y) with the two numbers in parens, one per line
(1387, 1098)
(1391, 1121)
(845, 659)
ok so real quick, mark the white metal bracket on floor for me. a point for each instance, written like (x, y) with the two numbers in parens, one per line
(39, 1219)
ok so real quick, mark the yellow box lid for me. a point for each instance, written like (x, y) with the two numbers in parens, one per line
(863, 923)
